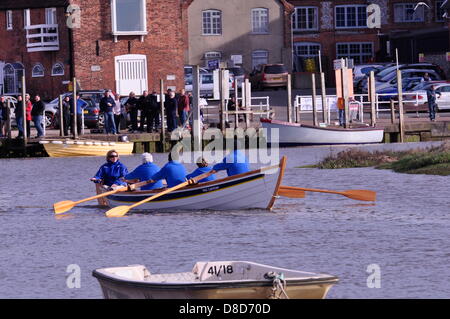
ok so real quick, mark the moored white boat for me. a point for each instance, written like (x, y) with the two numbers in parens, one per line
(291, 134)
(254, 189)
(214, 280)
(69, 148)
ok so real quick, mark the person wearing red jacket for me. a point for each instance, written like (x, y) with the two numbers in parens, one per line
(183, 107)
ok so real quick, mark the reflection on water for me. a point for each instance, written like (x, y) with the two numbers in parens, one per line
(405, 232)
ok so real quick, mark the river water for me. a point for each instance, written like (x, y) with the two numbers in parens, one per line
(405, 233)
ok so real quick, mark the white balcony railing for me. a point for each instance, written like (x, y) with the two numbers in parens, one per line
(42, 37)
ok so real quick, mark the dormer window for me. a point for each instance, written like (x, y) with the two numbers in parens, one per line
(129, 17)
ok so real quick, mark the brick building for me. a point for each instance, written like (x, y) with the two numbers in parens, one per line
(126, 45)
(339, 29)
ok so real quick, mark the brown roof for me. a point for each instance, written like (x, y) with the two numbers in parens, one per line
(30, 4)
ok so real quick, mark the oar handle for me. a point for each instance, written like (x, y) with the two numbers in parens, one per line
(313, 190)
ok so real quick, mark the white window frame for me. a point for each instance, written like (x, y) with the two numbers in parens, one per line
(53, 69)
(116, 32)
(402, 19)
(295, 18)
(346, 7)
(259, 26)
(26, 18)
(212, 31)
(308, 44)
(9, 20)
(352, 55)
(438, 4)
(34, 75)
(50, 16)
(255, 52)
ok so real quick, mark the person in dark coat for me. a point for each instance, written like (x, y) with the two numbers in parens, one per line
(154, 113)
(131, 105)
(3, 116)
(171, 107)
(66, 107)
(37, 113)
(431, 98)
(107, 106)
(144, 106)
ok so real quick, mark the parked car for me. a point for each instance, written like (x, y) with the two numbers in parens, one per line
(390, 80)
(362, 70)
(92, 116)
(393, 67)
(269, 75)
(206, 82)
(443, 101)
(407, 85)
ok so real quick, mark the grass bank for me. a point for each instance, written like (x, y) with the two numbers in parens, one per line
(432, 161)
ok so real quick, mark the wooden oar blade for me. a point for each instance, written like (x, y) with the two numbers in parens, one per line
(62, 207)
(361, 194)
(290, 192)
(118, 211)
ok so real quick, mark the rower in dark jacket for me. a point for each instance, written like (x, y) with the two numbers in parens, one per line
(113, 172)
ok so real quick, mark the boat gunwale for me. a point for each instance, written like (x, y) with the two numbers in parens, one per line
(223, 180)
(327, 279)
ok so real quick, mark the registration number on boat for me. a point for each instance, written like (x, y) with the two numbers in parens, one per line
(210, 189)
(221, 269)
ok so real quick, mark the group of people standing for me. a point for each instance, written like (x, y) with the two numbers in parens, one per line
(34, 111)
(177, 109)
(115, 174)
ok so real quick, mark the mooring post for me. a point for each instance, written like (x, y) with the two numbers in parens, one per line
(372, 96)
(61, 116)
(289, 98)
(196, 129)
(392, 111)
(325, 118)
(74, 109)
(400, 106)
(161, 101)
(314, 105)
(24, 115)
(8, 118)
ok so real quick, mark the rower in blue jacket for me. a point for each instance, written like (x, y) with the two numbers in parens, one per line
(234, 163)
(111, 173)
(173, 172)
(202, 168)
(145, 171)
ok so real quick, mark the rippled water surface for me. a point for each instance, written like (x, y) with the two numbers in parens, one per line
(406, 232)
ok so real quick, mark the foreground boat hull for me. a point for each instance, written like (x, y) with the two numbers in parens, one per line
(249, 190)
(311, 290)
(290, 134)
(214, 280)
(85, 148)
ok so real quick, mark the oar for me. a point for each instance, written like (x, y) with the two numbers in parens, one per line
(66, 205)
(356, 194)
(120, 211)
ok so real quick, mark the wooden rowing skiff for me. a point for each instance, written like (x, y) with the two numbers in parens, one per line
(254, 189)
(214, 280)
(291, 134)
(69, 148)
